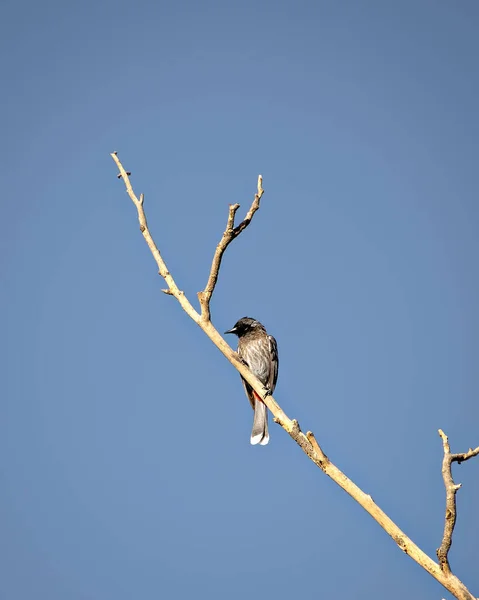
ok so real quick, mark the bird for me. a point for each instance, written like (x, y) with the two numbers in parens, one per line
(259, 351)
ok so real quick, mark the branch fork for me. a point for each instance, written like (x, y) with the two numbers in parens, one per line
(451, 489)
(230, 233)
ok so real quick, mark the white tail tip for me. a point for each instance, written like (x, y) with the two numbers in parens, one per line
(259, 439)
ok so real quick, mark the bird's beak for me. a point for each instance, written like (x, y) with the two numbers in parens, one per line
(231, 330)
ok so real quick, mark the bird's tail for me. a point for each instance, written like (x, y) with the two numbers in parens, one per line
(259, 434)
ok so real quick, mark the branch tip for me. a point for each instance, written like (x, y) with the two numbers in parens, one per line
(316, 447)
(260, 185)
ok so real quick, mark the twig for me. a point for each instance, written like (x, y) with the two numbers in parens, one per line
(316, 447)
(306, 442)
(451, 489)
(228, 236)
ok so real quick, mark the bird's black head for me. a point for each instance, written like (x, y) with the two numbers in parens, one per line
(245, 325)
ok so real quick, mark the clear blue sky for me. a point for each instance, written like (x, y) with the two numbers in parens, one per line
(125, 463)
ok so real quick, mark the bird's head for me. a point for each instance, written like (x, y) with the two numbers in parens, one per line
(244, 326)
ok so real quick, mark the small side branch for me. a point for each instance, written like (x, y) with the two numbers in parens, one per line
(230, 233)
(451, 489)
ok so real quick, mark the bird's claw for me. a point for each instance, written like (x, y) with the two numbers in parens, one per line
(267, 392)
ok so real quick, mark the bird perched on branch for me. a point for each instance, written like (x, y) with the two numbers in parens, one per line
(259, 352)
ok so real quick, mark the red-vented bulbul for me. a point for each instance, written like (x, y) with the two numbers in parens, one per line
(259, 352)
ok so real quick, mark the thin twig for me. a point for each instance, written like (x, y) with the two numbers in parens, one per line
(316, 447)
(306, 442)
(451, 489)
(228, 236)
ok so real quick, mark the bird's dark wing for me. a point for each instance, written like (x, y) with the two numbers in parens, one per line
(273, 375)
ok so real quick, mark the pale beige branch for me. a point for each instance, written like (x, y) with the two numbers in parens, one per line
(451, 489)
(173, 289)
(307, 442)
(228, 236)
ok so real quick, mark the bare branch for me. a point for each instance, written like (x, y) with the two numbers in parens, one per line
(162, 268)
(451, 489)
(228, 236)
(463, 456)
(307, 442)
(254, 207)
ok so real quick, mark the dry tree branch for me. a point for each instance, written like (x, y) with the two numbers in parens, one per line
(228, 236)
(173, 289)
(451, 489)
(307, 442)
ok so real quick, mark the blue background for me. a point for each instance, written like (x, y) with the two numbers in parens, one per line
(125, 460)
